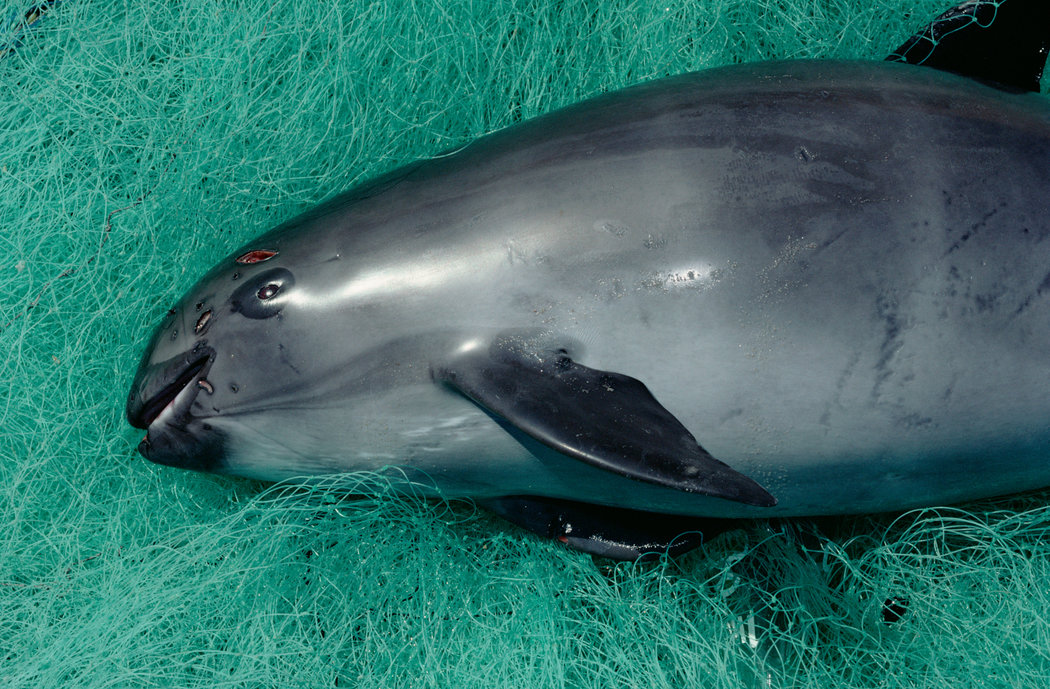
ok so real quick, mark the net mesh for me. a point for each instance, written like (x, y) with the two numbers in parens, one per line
(142, 140)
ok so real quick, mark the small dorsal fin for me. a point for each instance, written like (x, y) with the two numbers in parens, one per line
(1002, 42)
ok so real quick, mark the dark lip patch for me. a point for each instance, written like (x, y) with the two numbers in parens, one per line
(153, 407)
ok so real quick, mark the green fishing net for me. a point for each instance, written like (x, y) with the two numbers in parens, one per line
(141, 141)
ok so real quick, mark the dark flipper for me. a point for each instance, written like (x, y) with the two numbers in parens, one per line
(1004, 43)
(611, 532)
(607, 420)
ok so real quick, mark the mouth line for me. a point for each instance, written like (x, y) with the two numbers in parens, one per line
(156, 405)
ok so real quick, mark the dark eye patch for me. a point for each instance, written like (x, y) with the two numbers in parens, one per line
(263, 295)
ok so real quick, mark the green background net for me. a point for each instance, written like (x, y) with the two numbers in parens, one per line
(140, 141)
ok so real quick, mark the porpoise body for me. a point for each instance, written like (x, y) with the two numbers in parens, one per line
(775, 289)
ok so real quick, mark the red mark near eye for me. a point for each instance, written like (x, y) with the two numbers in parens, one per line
(256, 256)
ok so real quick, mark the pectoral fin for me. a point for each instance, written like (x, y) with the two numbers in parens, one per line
(605, 419)
(616, 533)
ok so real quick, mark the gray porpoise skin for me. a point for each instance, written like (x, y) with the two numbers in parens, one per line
(835, 275)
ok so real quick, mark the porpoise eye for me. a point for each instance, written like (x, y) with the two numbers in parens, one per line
(268, 291)
(263, 295)
(202, 322)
